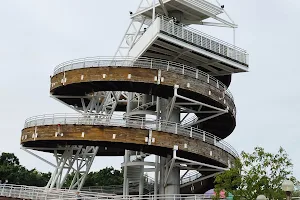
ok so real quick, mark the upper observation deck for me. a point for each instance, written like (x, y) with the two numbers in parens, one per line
(173, 41)
(186, 11)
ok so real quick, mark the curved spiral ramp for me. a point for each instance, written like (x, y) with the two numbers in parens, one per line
(145, 105)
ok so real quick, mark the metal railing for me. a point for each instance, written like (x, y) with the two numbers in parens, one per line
(40, 193)
(143, 62)
(132, 122)
(32, 192)
(203, 40)
(117, 189)
(134, 187)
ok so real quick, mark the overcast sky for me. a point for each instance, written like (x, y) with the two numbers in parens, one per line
(36, 35)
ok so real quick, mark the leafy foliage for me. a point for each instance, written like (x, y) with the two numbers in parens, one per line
(105, 177)
(257, 173)
(14, 173)
(9, 159)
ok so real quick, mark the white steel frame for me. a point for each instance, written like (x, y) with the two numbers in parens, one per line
(218, 111)
(176, 161)
(74, 159)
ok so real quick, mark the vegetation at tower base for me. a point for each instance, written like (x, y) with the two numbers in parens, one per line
(104, 177)
(14, 173)
(257, 173)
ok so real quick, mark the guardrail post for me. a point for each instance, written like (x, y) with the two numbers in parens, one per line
(197, 73)
(10, 191)
(192, 37)
(93, 119)
(207, 78)
(201, 41)
(191, 132)
(182, 69)
(215, 140)
(84, 63)
(176, 128)
(20, 191)
(151, 64)
(159, 125)
(44, 120)
(217, 84)
(203, 137)
(2, 191)
(173, 31)
(168, 65)
(142, 123)
(46, 194)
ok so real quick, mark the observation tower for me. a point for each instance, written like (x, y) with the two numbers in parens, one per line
(162, 102)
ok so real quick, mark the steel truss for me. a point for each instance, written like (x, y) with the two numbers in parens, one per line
(73, 160)
(136, 29)
(215, 111)
(99, 102)
(186, 164)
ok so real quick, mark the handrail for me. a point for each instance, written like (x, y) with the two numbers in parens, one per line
(115, 189)
(143, 62)
(132, 122)
(132, 186)
(32, 192)
(202, 39)
(135, 186)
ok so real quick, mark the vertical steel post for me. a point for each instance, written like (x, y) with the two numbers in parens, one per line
(153, 11)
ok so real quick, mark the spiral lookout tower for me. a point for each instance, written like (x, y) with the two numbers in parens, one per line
(162, 102)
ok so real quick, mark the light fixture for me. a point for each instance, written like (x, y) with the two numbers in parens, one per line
(261, 197)
(288, 187)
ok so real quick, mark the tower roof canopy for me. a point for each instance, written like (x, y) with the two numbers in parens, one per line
(189, 11)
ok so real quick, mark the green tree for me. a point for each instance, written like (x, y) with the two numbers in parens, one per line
(104, 177)
(14, 173)
(257, 173)
(9, 159)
